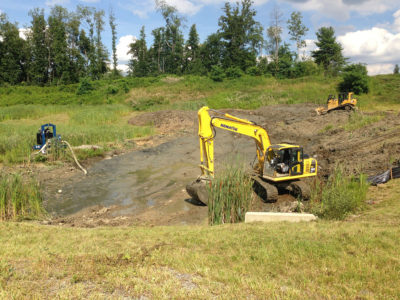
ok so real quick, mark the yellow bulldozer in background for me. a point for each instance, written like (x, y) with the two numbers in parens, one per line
(341, 102)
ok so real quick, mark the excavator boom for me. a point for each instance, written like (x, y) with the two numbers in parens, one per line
(207, 123)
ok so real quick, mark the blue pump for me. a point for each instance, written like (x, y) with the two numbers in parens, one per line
(46, 132)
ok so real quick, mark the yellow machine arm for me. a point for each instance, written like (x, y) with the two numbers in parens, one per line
(207, 124)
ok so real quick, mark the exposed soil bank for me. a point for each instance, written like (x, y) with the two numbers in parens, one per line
(148, 186)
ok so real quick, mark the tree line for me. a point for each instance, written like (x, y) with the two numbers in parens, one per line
(60, 49)
(239, 46)
(68, 46)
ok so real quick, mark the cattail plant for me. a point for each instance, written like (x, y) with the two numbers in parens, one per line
(19, 198)
(230, 195)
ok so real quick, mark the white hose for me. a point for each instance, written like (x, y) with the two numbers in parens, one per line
(76, 160)
(41, 149)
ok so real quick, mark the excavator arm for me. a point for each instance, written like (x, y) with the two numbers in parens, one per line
(207, 125)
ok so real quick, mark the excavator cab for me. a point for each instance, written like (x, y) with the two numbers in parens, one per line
(284, 160)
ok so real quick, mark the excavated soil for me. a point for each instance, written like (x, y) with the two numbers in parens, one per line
(147, 186)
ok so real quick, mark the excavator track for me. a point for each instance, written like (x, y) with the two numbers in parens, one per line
(266, 191)
(300, 189)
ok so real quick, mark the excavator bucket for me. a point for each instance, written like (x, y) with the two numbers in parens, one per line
(198, 191)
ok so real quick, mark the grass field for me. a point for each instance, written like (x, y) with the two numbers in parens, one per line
(105, 125)
(355, 259)
(100, 116)
(190, 92)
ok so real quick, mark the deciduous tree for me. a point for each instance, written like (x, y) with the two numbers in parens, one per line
(274, 33)
(113, 27)
(241, 33)
(297, 31)
(12, 58)
(39, 50)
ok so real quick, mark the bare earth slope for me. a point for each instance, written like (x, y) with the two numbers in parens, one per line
(148, 186)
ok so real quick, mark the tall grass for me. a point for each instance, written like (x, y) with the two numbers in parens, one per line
(105, 91)
(229, 196)
(77, 124)
(340, 196)
(19, 198)
(358, 120)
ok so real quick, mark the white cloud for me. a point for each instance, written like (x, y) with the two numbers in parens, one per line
(90, 1)
(305, 52)
(376, 45)
(23, 32)
(122, 51)
(396, 23)
(374, 69)
(139, 8)
(187, 7)
(341, 9)
(56, 2)
(124, 68)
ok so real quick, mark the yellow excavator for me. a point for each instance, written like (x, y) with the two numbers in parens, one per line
(280, 166)
(344, 101)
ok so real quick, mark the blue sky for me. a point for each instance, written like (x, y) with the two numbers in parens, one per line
(369, 30)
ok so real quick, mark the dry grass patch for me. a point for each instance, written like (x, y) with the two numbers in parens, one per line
(357, 258)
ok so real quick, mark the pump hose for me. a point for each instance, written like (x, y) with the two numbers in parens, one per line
(73, 155)
(70, 148)
(41, 149)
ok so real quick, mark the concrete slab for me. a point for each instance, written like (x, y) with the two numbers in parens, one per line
(266, 217)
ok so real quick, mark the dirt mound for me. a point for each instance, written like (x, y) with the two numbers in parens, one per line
(367, 148)
(168, 121)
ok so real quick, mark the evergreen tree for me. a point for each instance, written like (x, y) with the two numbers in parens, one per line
(297, 31)
(139, 64)
(39, 51)
(157, 51)
(192, 51)
(396, 69)
(12, 56)
(329, 52)
(211, 51)
(241, 33)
